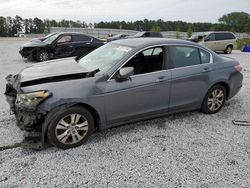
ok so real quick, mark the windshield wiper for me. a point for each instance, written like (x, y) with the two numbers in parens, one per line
(92, 73)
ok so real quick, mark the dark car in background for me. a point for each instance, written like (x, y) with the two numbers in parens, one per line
(117, 37)
(146, 34)
(123, 81)
(60, 45)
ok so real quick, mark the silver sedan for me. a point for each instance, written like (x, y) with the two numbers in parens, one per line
(64, 101)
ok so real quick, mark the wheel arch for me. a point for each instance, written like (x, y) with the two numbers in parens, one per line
(92, 110)
(230, 44)
(224, 84)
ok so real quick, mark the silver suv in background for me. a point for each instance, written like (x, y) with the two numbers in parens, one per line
(217, 41)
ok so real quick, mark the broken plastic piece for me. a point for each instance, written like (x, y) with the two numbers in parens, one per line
(241, 123)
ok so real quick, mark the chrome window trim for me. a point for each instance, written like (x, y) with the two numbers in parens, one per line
(162, 45)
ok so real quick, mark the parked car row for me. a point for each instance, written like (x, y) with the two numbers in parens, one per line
(60, 45)
(62, 102)
(66, 44)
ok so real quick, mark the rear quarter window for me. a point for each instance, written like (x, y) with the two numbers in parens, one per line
(205, 56)
(224, 36)
(229, 36)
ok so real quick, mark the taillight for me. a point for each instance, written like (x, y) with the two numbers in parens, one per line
(238, 68)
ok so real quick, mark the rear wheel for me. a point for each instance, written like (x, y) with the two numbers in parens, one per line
(228, 50)
(214, 100)
(70, 127)
(42, 56)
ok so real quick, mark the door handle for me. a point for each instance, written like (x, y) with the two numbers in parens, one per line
(88, 43)
(206, 69)
(70, 46)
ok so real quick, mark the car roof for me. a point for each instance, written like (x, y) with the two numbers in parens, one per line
(144, 42)
(76, 33)
(209, 32)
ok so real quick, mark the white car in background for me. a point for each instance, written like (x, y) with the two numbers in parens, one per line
(217, 41)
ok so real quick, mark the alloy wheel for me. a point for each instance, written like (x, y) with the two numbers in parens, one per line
(71, 129)
(44, 56)
(215, 100)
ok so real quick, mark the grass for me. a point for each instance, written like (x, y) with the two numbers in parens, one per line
(242, 42)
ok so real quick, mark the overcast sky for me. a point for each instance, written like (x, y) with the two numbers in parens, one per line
(128, 10)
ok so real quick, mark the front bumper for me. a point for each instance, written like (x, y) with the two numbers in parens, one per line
(25, 54)
(28, 121)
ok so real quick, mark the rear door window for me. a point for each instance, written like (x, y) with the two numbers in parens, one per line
(183, 56)
(81, 38)
(64, 39)
(220, 36)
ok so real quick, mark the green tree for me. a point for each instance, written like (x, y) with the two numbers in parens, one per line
(3, 27)
(17, 24)
(190, 30)
(38, 25)
(155, 28)
(237, 21)
(177, 34)
(26, 24)
(31, 26)
(9, 25)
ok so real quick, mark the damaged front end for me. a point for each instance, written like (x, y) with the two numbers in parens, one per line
(24, 107)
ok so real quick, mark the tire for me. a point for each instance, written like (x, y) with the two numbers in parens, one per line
(228, 49)
(42, 55)
(214, 100)
(70, 127)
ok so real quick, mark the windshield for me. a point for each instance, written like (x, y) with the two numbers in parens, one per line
(194, 36)
(198, 36)
(49, 35)
(51, 38)
(139, 34)
(118, 35)
(104, 57)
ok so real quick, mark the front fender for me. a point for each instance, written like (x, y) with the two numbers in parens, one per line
(48, 106)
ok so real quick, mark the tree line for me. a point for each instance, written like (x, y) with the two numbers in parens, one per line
(235, 21)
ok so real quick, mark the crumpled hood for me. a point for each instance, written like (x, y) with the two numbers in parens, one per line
(54, 68)
(34, 43)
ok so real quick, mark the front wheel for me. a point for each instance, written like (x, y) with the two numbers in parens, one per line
(42, 56)
(214, 100)
(70, 127)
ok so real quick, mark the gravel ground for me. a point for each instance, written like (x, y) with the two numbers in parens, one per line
(182, 150)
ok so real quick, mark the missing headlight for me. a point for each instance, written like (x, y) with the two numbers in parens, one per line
(29, 101)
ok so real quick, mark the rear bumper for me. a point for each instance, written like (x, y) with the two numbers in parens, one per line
(234, 92)
(236, 84)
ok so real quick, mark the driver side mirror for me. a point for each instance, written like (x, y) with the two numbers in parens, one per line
(125, 73)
